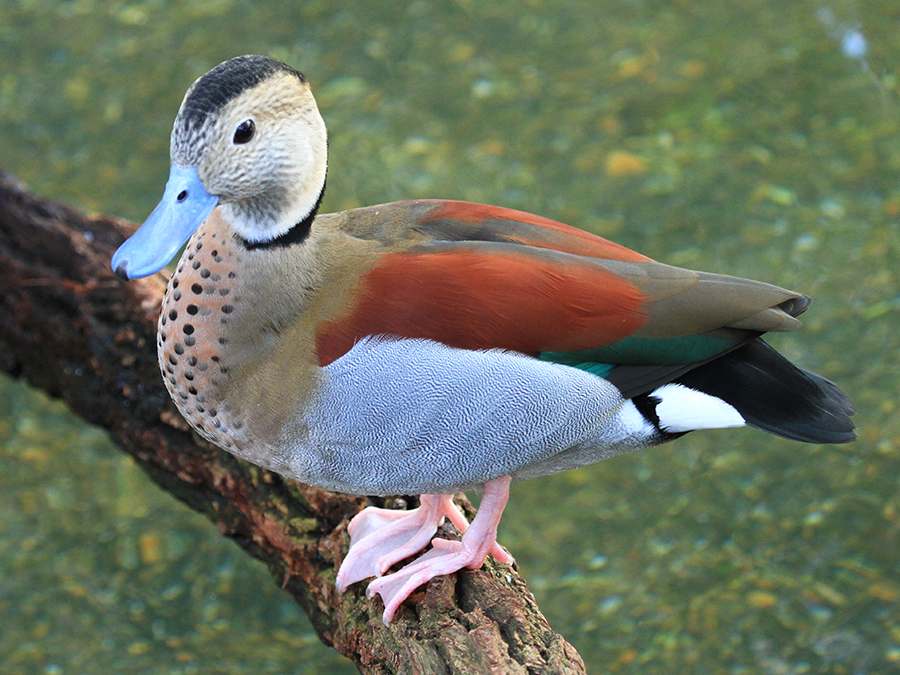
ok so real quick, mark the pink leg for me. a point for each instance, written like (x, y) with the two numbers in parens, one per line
(455, 516)
(448, 557)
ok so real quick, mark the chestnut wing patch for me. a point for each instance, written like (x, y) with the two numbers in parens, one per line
(487, 295)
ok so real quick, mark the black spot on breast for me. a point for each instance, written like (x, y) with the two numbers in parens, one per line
(188, 329)
(204, 273)
(190, 341)
(227, 309)
(192, 309)
(197, 289)
(173, 314)
(179, 348)
(196, 264)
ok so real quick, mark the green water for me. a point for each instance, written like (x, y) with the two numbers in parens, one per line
(733, 137)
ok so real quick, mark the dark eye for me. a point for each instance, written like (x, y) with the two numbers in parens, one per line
(182, 196)
(244, 131)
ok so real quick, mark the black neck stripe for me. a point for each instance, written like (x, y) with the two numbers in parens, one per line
(296, 235)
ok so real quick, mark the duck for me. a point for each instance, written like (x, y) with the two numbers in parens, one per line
(430, 347)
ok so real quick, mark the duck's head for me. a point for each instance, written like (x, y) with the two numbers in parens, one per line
(249, 140)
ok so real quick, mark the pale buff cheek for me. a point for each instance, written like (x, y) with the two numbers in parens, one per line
(266, 190)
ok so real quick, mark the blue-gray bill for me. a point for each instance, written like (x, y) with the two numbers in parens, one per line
(183, 208)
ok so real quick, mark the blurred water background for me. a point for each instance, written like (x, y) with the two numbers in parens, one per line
(756, 138)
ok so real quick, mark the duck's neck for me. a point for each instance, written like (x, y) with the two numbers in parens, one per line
(224, 314)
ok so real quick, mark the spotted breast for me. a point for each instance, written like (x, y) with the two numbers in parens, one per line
(200, 300)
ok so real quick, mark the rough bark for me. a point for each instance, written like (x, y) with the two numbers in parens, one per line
(69, 327)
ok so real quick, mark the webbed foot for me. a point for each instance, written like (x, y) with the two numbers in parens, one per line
(379, 538)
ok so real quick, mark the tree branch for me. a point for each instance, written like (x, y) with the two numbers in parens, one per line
(69, 327)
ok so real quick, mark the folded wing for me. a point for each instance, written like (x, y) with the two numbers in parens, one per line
(497, 278)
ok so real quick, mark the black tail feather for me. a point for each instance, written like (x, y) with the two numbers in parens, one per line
(774, 395)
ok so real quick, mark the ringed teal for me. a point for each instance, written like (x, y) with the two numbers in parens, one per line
(429, 347)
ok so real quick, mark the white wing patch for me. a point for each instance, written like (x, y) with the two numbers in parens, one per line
(684, 409)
